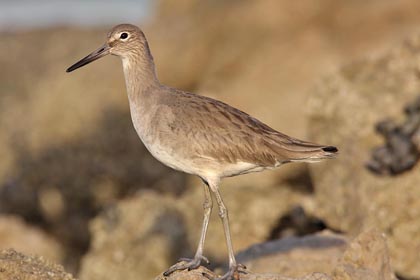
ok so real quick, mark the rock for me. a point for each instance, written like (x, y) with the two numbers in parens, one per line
(16, 234)
(17, 266)
(150, 231)
(296, 256)
(330, 255)
(138, 237)
(198, 275)
(343, 111)
(366, 258)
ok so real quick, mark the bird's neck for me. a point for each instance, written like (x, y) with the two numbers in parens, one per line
(140, 75)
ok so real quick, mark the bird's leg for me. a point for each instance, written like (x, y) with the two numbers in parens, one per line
(208, 206)
(185, 263)
(234, 268)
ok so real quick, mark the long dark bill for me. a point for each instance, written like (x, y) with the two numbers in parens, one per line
(102, 51)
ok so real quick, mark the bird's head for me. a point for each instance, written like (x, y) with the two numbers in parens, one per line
(124, 40)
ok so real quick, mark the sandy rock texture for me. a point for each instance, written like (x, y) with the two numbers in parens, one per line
(17, 234)
(344, 110)
(137, 237)
(17, 266)
(330, 255)
(296, 256)
(198, 275)
(366, 257)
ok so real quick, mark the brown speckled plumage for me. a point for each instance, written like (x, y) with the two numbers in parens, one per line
(197, 134)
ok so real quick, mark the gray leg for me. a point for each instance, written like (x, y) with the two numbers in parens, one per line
(234, 268)
(208, 206)
(189, 264)
(223, 213)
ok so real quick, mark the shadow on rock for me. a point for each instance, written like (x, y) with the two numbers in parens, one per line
(296, 222)
(310, 242)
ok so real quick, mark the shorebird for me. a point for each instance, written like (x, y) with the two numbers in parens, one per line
(197, 134)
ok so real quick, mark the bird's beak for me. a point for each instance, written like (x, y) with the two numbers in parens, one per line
(102, 51)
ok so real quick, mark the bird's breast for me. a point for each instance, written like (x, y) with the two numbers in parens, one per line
(153, 128)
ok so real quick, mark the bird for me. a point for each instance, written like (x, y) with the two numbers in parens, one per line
(198, 135)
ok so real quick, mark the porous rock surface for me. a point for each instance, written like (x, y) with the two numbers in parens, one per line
(343, 111)
(139, 236)
(17, 266)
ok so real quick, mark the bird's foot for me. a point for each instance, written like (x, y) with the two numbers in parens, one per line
(232, 274)
(186, 263)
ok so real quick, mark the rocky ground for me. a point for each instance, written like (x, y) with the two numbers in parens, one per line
(78, 188)
(331, 255)
(17, 266)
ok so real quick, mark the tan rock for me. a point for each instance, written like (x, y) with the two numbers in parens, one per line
(296, 256)
(366, 258)
(137, 237)
(343, 112)
(198, 275)
(16, 234)
(17, 266)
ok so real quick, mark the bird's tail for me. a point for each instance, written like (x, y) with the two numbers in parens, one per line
(313, 154)
(298, 150)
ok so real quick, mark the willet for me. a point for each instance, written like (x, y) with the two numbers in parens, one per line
(196, 134)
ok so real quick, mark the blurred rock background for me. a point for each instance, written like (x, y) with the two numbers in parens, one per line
(78, 187)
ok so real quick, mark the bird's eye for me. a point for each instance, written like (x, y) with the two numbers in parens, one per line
(124, 35)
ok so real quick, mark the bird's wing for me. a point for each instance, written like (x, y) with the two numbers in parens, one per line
(226, 133)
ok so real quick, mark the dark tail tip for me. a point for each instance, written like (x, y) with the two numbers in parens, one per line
(330, 149)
